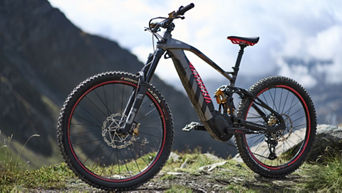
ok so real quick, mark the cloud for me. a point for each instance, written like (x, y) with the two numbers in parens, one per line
(299, 29)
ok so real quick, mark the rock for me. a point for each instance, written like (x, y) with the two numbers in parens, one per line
(185, 163)
(174, 157)
(210, 167)
(328, 142)
(175, 173)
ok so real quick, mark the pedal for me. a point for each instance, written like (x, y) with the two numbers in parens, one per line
(193, 126)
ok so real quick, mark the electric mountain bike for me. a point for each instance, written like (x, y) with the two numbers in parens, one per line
(115, 129)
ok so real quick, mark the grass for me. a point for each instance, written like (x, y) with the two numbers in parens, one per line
(326, 177)
(178, 188)
(16, 176)
(51, 177)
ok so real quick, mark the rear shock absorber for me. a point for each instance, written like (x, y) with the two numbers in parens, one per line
(224, 100)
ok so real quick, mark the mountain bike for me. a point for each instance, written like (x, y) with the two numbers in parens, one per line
(115, 129)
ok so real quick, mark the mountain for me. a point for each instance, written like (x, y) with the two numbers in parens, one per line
(43, 56)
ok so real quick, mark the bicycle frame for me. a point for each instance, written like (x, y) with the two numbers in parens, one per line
(218, 125)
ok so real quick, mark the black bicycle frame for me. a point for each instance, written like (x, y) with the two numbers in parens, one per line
(214, 122)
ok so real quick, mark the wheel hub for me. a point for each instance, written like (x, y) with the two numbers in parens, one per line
(112, 136)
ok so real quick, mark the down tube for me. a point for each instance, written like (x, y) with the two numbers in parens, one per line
(193, 85)
(196, 91)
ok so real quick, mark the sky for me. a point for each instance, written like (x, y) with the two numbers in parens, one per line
(306, 30)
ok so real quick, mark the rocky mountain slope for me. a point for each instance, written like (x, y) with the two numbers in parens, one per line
(43, 56)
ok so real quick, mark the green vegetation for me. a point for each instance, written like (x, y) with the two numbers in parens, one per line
(326, 177)
(185, 172)
(18, 178)
(178, 188)
(17, 175)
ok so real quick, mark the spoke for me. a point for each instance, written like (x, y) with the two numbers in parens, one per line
(254, 115)
(295, 112)
(288, 144)
(275, 94)
(86, 121)
(298, 136)
(149, 134)
(125, 162)
(84, 124)
(93, 140)
(113, 99)
(118, 162)
(259, 144)
(142, 157)
(273, 99)
(285, 102)
(145, 118)
(134, 157)
(260, 155)
(105, 100)
(298, 119)
(82, 133)
(264, 152)
(265, 100)
(112, 167)
(95, 150)
(281, 97)
(108, 111)
(291, 105)
(300, 125)
(121, 109)
(257, 135)
(88, 114)
(147, 114)
(98, 108)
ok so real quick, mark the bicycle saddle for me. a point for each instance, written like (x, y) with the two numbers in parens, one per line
(243, 40)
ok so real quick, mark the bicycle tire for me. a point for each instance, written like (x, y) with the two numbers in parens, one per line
(72, 153)
(247, 145)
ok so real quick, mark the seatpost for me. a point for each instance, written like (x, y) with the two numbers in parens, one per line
(237, 64)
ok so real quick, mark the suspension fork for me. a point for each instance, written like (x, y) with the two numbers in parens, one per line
(137, 96)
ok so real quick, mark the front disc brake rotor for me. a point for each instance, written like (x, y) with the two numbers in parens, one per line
(115, 139)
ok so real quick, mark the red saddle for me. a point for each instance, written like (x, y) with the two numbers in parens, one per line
(243, 40)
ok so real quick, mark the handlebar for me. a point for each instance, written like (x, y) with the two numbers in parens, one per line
(173, 15)
(182, 9)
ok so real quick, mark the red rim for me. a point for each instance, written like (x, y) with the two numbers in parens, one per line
(155, 159)
(307, 136)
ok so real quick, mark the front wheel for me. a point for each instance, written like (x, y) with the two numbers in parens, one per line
(281, 152)
(89, 140)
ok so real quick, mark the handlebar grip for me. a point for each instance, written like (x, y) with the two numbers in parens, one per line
(182, 9)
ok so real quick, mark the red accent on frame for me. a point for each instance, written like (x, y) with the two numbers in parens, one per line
(200, 83)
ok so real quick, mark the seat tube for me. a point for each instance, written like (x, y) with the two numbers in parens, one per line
(237, 65)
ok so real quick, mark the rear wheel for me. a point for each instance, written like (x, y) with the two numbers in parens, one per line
(276, 154)
(91, 144)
